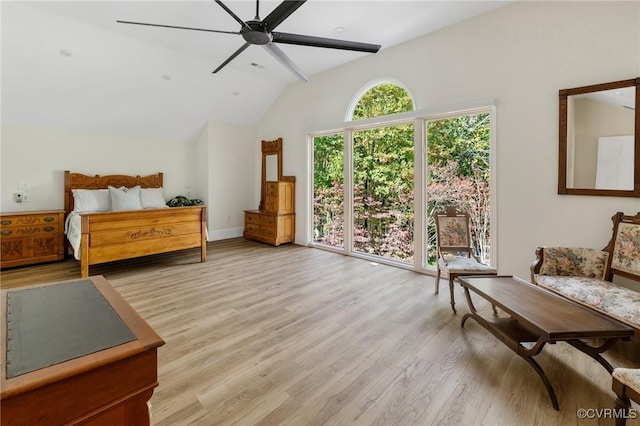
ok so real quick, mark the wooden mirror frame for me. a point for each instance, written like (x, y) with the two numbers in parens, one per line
(563, 146)
(269, 148)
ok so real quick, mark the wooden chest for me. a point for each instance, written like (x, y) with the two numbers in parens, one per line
(31, 237)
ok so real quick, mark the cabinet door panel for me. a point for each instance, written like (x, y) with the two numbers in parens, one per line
(45, 245)
(13, 248)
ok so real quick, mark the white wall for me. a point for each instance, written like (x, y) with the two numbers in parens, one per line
(40, 156)
(231, 173)
(218, 167)
(522, 55)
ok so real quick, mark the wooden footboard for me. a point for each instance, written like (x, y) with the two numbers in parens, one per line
(110, 236)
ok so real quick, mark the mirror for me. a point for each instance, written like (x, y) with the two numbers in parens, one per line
(271, 166)
(599, 146)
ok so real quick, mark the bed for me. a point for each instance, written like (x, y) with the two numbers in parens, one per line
(98, 236)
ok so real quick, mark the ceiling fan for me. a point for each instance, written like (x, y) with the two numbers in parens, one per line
(260, 32)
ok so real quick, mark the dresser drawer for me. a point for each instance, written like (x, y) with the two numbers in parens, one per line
(252, 228)
(8, 222)
(269, 231)
(267, 220)
(29, 231)
(252, 218)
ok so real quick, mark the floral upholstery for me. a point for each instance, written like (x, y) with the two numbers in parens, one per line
(613, 300)
(630, 377)
(585, 275)
(452, 232)
(626, 250)
(574, 261)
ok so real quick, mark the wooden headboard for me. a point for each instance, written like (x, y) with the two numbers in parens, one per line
(80, 181)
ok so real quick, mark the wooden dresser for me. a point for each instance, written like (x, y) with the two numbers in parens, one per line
(276, 223)
(31, 237)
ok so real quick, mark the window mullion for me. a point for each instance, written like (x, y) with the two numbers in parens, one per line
(419, 195)
(348, 192)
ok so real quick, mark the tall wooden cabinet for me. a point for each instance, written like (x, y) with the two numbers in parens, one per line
(31, 237)
(275, 224)
(275, 220)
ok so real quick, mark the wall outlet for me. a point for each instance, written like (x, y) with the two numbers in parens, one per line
(22, 197)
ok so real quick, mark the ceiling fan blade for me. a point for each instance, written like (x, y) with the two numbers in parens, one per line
(284, 60)
(233, 15)
(230, 58)
(281, 13)
(305, 40)
(176, 27)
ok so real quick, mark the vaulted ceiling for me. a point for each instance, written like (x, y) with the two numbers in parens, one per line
(70, 65)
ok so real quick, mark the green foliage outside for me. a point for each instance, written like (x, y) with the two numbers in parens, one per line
(383, 99)
(458, 173)
(383, 168)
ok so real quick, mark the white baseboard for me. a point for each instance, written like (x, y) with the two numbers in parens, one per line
(225, 234)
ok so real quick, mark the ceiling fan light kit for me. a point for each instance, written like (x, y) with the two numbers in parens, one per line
(260, 33)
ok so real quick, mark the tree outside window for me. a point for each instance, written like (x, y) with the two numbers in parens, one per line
(383, 213)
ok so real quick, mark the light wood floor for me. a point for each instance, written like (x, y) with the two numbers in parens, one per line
(260, 335)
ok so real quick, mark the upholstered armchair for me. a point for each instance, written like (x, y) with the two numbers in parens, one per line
(455, 254)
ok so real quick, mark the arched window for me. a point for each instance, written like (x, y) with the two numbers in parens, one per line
(381, 97)
(378, 180)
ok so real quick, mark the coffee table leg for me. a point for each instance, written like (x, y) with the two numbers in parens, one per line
(472, 308)
(594, 352)
(523, 352)
(545, 380)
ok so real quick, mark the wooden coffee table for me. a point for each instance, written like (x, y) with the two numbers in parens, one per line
(537, 317)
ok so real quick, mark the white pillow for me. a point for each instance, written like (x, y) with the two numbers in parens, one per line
(91, 200)
(125, 199)
(152, 198)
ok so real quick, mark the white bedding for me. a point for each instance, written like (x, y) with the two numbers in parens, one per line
(72, 229)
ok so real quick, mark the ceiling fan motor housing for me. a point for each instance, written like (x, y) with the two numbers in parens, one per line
(255, 33)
